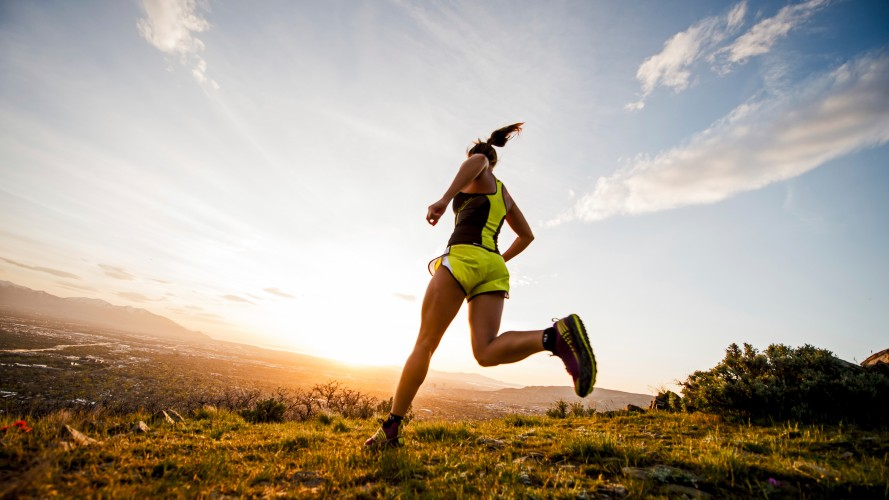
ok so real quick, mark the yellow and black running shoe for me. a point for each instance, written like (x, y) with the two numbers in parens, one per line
(573, 347)
(386, 437)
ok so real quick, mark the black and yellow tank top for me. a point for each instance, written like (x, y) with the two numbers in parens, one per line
(479, 218)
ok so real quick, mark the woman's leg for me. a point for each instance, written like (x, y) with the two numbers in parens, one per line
(491, 349)
(441, 303)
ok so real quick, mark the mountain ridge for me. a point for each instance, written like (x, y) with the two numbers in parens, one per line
(20, 299)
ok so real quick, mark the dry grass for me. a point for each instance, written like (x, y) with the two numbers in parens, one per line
(217, 454)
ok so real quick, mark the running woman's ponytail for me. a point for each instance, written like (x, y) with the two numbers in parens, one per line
(498, 138)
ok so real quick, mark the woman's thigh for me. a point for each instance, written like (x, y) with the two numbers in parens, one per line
(442, 301)
(485, 312)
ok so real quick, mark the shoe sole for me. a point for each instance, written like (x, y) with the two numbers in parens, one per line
(583, 386)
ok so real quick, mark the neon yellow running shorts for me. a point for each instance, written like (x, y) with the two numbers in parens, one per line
(477, 270)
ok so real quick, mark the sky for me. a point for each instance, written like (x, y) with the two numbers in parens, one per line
(696, 173)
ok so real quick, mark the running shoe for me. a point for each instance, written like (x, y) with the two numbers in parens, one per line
(386, 438)
(573, 347)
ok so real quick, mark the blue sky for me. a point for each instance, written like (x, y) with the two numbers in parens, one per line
(697, 173)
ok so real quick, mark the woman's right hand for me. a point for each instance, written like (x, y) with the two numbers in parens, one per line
(436, 210)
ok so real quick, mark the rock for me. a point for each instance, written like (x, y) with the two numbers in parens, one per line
(685, 491)
(307, 481)
(612, 490)
(635, 472)
(533, 456)
(141, 427)
(661, 473)
(810, 469)
(491, 443)
(635, 409)
(77, 438)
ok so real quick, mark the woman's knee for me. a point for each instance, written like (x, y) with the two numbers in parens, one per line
(426, 344)
(483, 357)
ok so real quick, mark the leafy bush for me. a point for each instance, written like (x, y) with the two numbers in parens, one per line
(267, 410)
(564, 409)
(806, 383)
(521, 421)
(667, 400)
(559, 409)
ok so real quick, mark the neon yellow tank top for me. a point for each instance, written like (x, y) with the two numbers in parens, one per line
(478, 218)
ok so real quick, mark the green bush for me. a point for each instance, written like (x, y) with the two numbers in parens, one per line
(667, 401)
(559, 409)
(267, 410)
(806, 384)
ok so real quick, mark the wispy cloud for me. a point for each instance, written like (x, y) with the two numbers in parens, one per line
(279, 293)
(117, 272)
(405, 296)
(134, 297)
(764, 34)
(170, 26)
(706, 39)
(235, 298)
(757, 144)
(671, 66)
(74, 286)
(47, 270)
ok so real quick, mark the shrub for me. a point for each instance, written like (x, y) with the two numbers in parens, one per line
(667, 400)
(521, 421)
(559, 409)
(267, 410)
(806, 383)
(577, 409)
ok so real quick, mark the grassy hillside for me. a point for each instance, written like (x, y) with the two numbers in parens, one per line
(218, 454)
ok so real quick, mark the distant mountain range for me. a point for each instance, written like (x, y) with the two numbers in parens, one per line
(17, 299)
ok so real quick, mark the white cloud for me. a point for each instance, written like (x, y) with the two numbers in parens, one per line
(671, 67)
(170, 26)
(756, 145)
(763, 35)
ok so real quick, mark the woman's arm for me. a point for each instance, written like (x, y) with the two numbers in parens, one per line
(469, 170)
(524, 235)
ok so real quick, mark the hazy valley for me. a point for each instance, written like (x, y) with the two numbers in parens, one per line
(51, 363)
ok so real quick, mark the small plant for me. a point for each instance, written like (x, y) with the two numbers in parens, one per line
(521, 421)
(667, 400)
(559, 409)
(267, 410)
(441, 432)
(204, 413)
(577, 409)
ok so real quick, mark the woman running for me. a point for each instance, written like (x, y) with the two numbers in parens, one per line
(473, 269)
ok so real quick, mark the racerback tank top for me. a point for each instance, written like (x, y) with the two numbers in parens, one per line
(478, 218)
